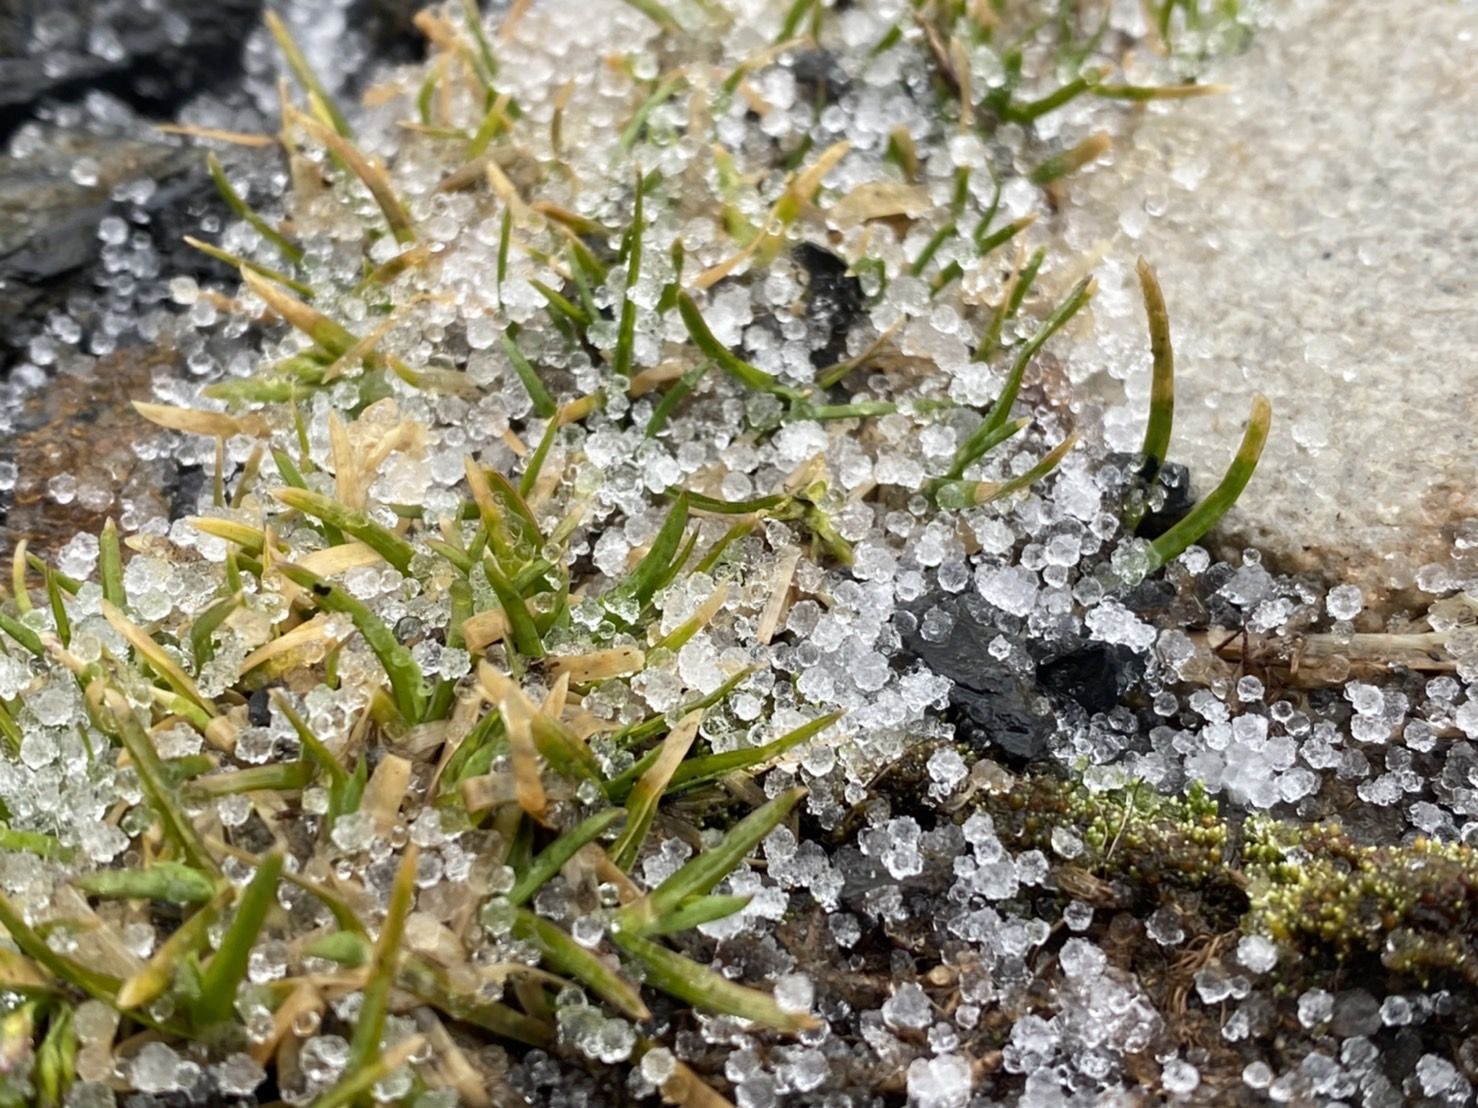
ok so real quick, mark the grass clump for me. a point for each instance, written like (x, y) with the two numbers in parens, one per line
(451, 728)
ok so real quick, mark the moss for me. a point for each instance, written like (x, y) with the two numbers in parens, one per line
(1411, 906)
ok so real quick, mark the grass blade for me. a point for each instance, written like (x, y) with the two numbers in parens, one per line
(97, 985)
(1219, 501)
(227, 967)
(698, 771)
(359, 1080)
(160, 662)
(643, 581)
(735, 366)
(1078, 296)
(626, 334)
(564, 955)
(172, 882)
(1162, 385)
(658, 14)
(334, 338)
(22, 634)
(383, 541)
(236, 261)
(544, 404)
(702, 987)
(403, 671)
(323, 104)
(369, 1027)
(521, 627)
(189, 937)
(965, 494)
(1070, 161)
(155, 783)
(375, 179)
(673, 397)
(556, 743)
(646, 794)
(285, 246)
(110, 564)
(699, 910)
(981, 442)
(552, 858)
(698, 876)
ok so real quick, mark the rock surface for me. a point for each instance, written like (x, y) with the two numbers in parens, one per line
(1314, 230)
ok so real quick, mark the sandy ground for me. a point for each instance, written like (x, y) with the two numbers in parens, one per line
(1316, 233)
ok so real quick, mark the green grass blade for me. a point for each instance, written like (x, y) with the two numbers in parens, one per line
(191, 936)
(154, 782)
(698, 876)
(699, 910)
(968, 494)
(383, 541)
(673, 397)
(358, 1080)
(658, 14)
(643, 581)
(638, 123)
(703, 988)
(564, 955)
(735, 366)
(172, 882)
(698, 771)
(626, 334)
(369, 1026)
(981, 442)
(403, 671)
(552, 858)
(536, 461)
(110, 565)
(227, 967)
(22, 634)
(544, 404)
(285, 246)
(1078, 296)
(521, 627)
(204, 627)
(1219, 501)
(1162, 384)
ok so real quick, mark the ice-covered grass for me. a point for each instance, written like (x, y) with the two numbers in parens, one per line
(648, 629)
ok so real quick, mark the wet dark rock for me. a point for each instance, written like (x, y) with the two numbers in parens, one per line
(49, 244)
(994, 708)
(1150, 597)
(819, 77)
(151, 56)
(833, 300)
(1175, 481)
(1093, 676)
(259, 708)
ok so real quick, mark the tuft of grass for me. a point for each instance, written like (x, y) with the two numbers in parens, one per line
(1206, 514)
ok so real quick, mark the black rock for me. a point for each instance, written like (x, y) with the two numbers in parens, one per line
(833, 300)
(154, 57)
(1093, 676)
(819, 76)
(994, 709)
(259, 708)
(1180, 498)
(49, 243)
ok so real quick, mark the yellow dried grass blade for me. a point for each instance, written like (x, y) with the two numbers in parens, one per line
(373, 177)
